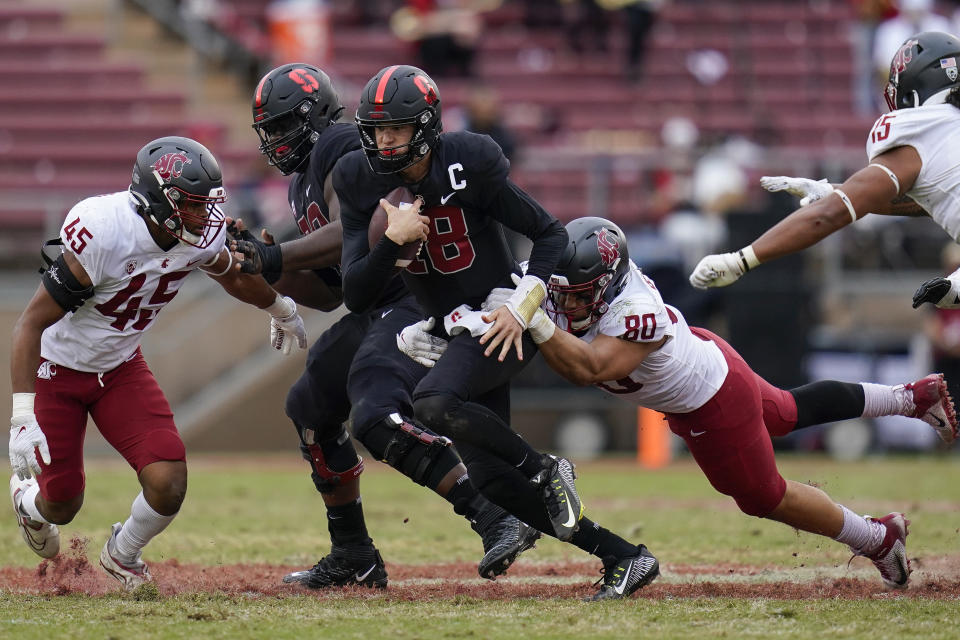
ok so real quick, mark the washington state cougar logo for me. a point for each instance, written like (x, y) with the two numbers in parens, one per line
(170, 165)
(609, 247)
(902, 57)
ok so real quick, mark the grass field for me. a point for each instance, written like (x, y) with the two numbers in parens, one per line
(248, 521)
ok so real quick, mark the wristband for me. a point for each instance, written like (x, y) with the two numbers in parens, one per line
(23, 403)
(849, 205)
(272, 258)
(281, 308)
(747, 258)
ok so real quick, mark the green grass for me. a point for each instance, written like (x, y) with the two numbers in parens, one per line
(268, 512)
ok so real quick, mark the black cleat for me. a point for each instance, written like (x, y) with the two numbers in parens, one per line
(503, 541)
(342, 567)
(560, 497)
(623, 576)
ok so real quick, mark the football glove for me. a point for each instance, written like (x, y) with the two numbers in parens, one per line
(286, 325)
(25, 438)
(804, 188)
(937, 291)
(421, 346)
(722, 269)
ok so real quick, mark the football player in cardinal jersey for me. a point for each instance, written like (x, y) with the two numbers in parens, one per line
(76, 347)
(914, 156)
(468, 198)
(616, 332)
(354, 369)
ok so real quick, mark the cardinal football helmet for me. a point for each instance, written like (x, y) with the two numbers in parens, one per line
(592, 270)
(397, 96)
(177, 183)
(292, 105)
(924, 65)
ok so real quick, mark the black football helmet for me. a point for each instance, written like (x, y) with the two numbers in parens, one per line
(592, 270)
(292, 105)
(399, 95)
(177, 183)
(925, 64)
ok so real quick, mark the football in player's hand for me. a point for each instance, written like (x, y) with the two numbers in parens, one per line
(399, 197)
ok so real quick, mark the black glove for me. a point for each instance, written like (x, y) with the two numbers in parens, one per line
(258, 256)
(931, 291)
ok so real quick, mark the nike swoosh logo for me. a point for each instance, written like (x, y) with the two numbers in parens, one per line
(360, 577)
(697, 433)
(626, 573)
(194, 261)
(385, 313)
(444, 199)
(571, 518)
(939, 420)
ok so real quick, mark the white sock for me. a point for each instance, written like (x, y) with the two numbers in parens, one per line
(860, 534)
(28, 503)
(883, 400)
(140, 528)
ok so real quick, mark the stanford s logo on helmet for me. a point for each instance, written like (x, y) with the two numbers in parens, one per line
(923, 70)
(177, 183)
(292, 105)
(592, 271)
(397, 96)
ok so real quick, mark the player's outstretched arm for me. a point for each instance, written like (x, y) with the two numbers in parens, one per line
(869, 189)
(604, 359)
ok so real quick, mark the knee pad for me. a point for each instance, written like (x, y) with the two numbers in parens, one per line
(437, 412)
(329, 455)
(417, 453)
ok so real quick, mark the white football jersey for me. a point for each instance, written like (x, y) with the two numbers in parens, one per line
(934, 131)
(133, 279)
(680, 376)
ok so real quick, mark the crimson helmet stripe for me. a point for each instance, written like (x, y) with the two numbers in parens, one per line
(382, 86)
(258, 95)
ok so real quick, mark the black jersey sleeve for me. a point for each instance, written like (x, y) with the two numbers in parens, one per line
(366, 273)
(514, 208)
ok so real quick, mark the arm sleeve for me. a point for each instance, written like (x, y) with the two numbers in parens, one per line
(514, 208)
(365, 272)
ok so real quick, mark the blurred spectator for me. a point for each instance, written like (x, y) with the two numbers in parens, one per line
(942, 327)
(482, 115)
(586, 24)
(640, 14)
(863, 35)
(446, 33)
(915, 16)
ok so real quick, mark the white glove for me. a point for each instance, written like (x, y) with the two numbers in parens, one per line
(499, 296)
(720, 270)
(25, 438)
(526, 299)
(286, 325)
(420, 345)
(804, 188)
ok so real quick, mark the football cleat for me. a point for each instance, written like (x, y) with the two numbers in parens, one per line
(933, 405)
(623, 576)
(890, 558)
(343, 566)
(42, 538)
(503, 541)
(130, 574)
(560, 497)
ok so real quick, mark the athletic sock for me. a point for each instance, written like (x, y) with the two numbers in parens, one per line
(347, 525)
(860, 534)
(884, 400)
(140, 528)
(28, 504)
(600, 542)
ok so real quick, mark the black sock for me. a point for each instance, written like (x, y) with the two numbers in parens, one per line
(600, 542)
(827, 401)
(346, 525)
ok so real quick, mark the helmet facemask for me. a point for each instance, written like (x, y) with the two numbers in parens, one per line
(582, 305)
(394, 159)
(286, 138)
(194, 219)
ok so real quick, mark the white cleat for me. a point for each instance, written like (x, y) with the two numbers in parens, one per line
(42, 538)
(130, 575)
